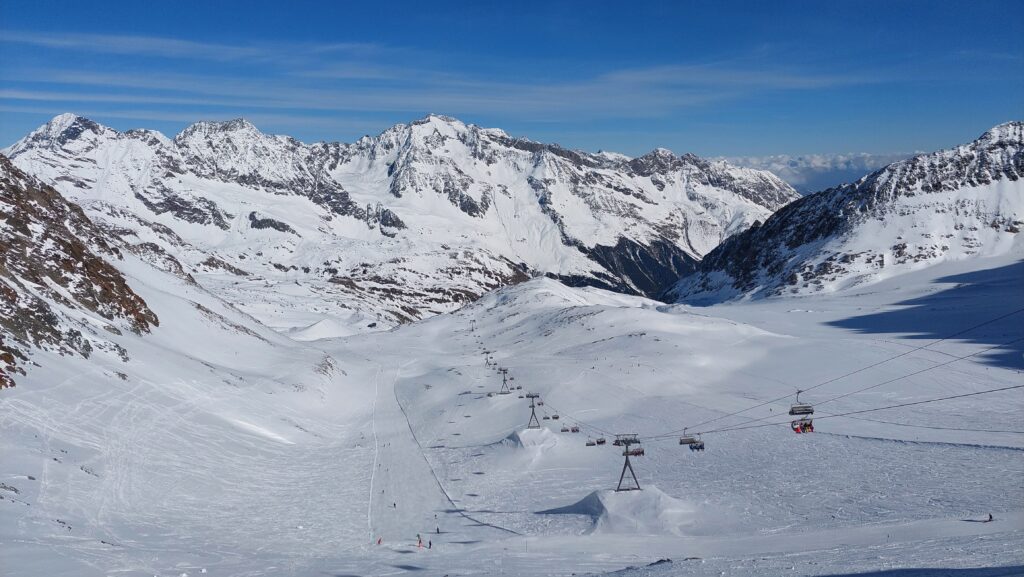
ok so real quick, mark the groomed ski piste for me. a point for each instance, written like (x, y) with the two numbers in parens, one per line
(226, 448)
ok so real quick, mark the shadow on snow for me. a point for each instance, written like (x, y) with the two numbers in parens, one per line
(946, 312)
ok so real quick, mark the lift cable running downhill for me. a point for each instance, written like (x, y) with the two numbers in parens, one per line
(910, 404)
(859, 412)
(893, 380)
(860, 370)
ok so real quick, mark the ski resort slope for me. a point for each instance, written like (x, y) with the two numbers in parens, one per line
(295, 458)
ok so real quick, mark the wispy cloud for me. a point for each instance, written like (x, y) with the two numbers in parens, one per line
(732, 76)
(310, 80)
(634, 93)
(176, 48)
(136, 45)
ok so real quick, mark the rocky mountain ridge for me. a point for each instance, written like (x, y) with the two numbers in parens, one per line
(963, 202)
(418, 220)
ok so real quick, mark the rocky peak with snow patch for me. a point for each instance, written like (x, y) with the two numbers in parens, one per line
(57, 286)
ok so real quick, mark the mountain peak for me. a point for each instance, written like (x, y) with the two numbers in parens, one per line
(66, 127)
(219, 126)
(1012, 131)
(438, 119)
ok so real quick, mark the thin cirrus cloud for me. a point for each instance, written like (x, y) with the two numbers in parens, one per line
(368, 78)
(174, 48)
(619, 94)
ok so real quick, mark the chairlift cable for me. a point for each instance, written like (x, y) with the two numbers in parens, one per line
(985, 392)
(860, 370)
(951, 361)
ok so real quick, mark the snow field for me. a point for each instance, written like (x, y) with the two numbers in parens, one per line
(243, 452)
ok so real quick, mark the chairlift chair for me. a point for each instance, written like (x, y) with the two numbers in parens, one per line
(697, 445)
(555, 416)
(799, 408)
(565, 429)
(601, 440)
(574, 429)
(591, 443)
(687, 439)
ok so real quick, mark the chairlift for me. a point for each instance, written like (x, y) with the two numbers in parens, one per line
(591, 443)
(521, 397)
(799, 408)
(637, 452)
(687, 439)
(601, 440)
(547, 418)
(540, 403)
(565, 429)
(574, 429)
(802, 425)
(616, 443)
(555, 416)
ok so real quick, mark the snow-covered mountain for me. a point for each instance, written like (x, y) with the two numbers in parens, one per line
(416, 221)
(58, 291)
(196, 439)
(959, 203)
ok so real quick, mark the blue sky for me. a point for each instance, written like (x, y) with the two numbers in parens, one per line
(709, 77)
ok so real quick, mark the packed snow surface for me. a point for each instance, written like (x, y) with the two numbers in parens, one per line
(223, 447)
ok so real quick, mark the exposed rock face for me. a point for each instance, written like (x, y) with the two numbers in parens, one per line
(447, 211)
(958, 203)
(55, 274)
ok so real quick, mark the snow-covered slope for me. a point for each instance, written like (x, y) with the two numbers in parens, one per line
(225, 454)
(418, 220)
(965, 202)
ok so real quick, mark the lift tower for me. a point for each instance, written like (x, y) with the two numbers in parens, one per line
(626, 441)
(534, 423)
(504, 382)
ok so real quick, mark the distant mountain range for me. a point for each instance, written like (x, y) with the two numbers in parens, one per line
(330, 239)
(416, 221)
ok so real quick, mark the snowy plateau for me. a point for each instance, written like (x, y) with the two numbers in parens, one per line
(232, 353)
